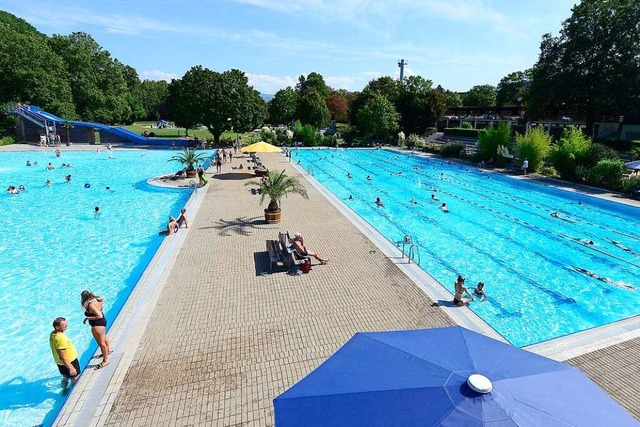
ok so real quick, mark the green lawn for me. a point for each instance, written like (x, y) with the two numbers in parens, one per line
(139, 127)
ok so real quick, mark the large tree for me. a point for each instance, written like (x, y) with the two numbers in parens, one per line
(97, 80)
(30, 72)
(313, 81)
(282, 108)
(419, 104)
(312, 108)
(513, 88)
(337, 107)
(378, 117)
(134, 92)
(155, 96)
(384, 86)
(480, 96)
(220, 101)
(593, 66)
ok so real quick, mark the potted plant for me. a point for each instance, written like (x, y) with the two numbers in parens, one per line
(188, 158)
(275, 186)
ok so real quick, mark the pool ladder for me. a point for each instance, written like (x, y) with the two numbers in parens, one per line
(414, 250)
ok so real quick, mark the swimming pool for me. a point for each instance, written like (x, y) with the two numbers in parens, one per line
(53, 246)
(543, 277)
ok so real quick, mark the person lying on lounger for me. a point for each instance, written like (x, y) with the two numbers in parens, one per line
(302, 252)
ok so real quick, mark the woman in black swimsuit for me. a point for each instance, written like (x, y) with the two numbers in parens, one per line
(92, 305)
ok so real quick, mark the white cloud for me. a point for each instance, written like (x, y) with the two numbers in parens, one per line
(341, 82)
(270, 84)
(158, 75)
(371, 74)
(407, 72)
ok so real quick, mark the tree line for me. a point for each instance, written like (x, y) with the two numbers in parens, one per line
(591, 69)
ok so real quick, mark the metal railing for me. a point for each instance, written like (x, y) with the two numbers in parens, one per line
(413, 252)
(23, 111)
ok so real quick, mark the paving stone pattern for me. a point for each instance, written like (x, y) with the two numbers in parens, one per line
(617, 370)
(226, 337)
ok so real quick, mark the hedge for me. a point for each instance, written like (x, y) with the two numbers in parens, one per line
(470, 133)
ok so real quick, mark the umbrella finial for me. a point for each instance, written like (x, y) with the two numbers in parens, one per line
(480, 383)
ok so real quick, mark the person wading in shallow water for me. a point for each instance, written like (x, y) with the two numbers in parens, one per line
(64, 353)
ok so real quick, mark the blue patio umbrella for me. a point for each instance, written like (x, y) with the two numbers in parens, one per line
(422, 378)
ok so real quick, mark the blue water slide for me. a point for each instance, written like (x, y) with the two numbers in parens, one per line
(116, 130)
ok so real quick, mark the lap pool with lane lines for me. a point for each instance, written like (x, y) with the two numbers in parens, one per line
(543, 276)
(52, 247)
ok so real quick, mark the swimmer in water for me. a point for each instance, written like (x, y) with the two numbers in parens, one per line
(28, 162)
(350, 197)
(603, 279)
(434, 198)
(379, 202)
(349, 175)
(414, 201)
(22, 187)
(556, 215)
(48, 182)
(368, 178)
(444, 208)
(621, 246)
(479, 291)
(68, 178)
(96, 212)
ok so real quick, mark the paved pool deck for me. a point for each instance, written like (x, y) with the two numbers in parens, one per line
(222, 337)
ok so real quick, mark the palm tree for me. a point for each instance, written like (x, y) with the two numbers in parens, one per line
(189, 158)
(275, 186)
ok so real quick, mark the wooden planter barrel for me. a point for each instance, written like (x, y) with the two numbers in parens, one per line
(272, 217)
(191, 173)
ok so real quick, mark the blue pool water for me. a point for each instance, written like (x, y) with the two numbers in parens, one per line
(499, 231)
(53, 247)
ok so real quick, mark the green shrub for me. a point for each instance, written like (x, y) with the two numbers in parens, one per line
(470, 133)
(597, 152)
(635, 153)
(8, 140)
(533, 146)
(466, 125)
(629, 183)
(327, 141)
(268, 135)
(431, 148)
(608, 174)
(413, 140)
(489, 140)
(549, 171)
(571, 151)
(452, 150)
(308, 135)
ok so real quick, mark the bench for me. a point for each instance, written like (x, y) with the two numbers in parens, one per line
(276, 255)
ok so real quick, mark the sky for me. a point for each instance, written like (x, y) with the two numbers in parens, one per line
(454, 43)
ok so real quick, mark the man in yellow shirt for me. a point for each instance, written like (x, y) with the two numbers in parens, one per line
(64, 353)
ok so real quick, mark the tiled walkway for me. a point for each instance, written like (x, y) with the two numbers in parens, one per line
(225, 339)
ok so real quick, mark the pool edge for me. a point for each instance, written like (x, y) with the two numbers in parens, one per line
(462, 316)
(90, 400)
(560, 348)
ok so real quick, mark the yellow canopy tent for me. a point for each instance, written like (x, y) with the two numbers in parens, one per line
(261, 147)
